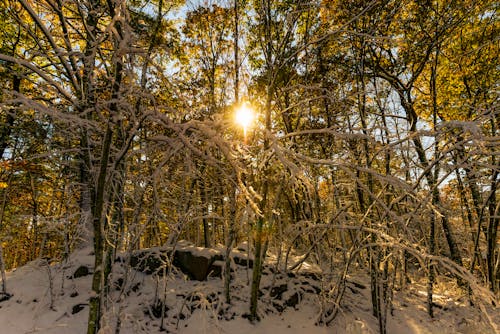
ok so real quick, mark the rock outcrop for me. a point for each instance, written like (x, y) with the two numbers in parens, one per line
(196, 263)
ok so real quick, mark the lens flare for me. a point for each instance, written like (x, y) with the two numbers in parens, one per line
(244, 116)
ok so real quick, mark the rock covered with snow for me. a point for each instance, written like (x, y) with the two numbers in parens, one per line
(197, 263)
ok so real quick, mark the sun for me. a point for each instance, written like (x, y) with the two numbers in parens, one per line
(244, 116)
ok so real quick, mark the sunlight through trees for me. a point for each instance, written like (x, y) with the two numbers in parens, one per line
(370, 139)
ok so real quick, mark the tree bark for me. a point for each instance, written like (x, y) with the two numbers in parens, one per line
(6, 128)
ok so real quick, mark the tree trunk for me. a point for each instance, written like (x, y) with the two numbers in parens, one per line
(257, 267)
(227, 264)
(430, 265)
(206, 227)
(99, 234)
(6, 128)
(94, 192)
(493, 272)
(427, 171)
(257, 270)
(2, 271)
(233, 203)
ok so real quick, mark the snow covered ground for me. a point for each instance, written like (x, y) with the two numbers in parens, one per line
(46, 299)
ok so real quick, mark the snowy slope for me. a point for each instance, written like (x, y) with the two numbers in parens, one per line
(288, 304)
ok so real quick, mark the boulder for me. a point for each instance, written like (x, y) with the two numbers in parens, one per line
(149, 261)
(293, 300)
(77, 308)
(242, 260)
(5, 296)
(196, 262)
(216, 269)
(197, 267)
(81, 271)
(277, 291)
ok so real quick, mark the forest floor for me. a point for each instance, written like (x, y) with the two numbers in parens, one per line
(47, 299)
